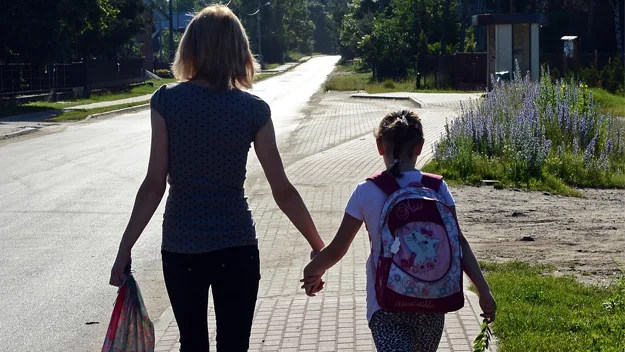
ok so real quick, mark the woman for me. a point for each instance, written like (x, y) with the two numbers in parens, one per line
(202, 129)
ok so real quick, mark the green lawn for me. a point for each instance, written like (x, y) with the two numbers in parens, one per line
(94, 98)
(540, 312)
(608, 102)
(296, 56)
(351, 78)
(76, 115)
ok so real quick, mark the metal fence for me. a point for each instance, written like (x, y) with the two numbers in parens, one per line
(26, 79)
(561, 66)
(464, 71)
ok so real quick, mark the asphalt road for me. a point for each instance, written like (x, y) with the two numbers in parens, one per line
(65, 199)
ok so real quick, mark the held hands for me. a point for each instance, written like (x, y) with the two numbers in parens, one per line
(312, 282)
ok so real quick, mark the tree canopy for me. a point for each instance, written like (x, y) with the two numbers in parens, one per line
(42, 31)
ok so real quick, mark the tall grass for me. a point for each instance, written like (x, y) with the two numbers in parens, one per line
(540, 312)
(540, 135)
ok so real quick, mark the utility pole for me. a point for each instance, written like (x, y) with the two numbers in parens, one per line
(171, 30)
(260, 50)
(258, 30)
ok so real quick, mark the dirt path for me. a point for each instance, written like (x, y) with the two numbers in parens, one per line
(581, 236)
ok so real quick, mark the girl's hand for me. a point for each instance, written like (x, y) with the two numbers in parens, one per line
(119, 268)
(312, 279)
(312, 285)
(489, 306)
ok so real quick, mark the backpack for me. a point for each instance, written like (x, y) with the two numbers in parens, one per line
(419, 266)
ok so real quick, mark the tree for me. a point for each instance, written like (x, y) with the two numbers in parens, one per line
(617, 25)
(67, 29)
(357, 23)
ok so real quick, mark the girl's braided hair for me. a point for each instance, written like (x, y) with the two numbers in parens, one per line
(403, 131)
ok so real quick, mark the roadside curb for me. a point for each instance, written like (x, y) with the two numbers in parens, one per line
(23, 132)
(162, 323)
(117, 112)
(295, 64)
(418, 104)
(474, 301)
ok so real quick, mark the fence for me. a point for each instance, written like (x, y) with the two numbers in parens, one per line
(26, 79)
(561, 66)
(464, 71)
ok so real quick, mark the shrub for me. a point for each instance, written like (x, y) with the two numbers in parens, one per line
(388, 84)
(612, 76)
(164, 73)
(590, 76)
(536, 134)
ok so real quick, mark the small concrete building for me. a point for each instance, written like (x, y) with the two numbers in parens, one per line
(512, 37)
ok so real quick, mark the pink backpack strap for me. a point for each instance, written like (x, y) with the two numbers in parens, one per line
(431, 181)
(385, 181)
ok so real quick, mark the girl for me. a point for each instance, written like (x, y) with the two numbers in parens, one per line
(202, 129)
(400, 141)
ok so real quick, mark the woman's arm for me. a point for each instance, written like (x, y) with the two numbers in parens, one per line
(284, 193)
(148, 197)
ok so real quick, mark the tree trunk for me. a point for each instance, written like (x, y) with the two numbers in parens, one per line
(616, 6)
(591, 22)
(446, 5)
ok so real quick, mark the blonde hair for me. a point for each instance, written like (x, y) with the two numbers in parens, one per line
(215, 47)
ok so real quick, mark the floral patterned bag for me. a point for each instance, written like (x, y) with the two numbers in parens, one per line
(130, 329)
(419, 268)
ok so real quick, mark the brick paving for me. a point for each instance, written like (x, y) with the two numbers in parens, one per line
(325, 157)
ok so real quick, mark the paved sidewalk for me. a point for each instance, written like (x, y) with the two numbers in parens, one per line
(325, 157)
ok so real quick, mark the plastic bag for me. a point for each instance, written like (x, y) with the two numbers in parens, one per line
(130, 329)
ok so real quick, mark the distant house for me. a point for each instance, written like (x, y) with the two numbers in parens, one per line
(180, 20)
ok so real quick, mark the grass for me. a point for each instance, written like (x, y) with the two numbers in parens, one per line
(352, 78)
(272, 66)
(540, 312)
(94, 98)
(609, 103)
(76, 115)
(296, 56)
(493, 169)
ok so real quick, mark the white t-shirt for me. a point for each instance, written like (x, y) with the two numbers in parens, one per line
(366, 204)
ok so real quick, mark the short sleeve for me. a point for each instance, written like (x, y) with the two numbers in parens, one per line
(157, 102)
(262, 115)
(354, 205)
(444, 192)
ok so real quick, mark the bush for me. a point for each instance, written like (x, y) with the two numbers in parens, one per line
(389, 84)
(544, 135)
(612, 76)
(590, 76)
(164, 73)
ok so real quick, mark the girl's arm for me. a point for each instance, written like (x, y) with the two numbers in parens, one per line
(284, 193)
(331, 254)
(471, 267)
(148, 197)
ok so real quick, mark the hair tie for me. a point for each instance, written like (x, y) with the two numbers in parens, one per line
(402, 119)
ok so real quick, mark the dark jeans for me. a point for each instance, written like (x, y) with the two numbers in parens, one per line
(233, 274)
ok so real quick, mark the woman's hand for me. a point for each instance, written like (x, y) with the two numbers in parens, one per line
(312, 285)
(119, 268)
(312, 281)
